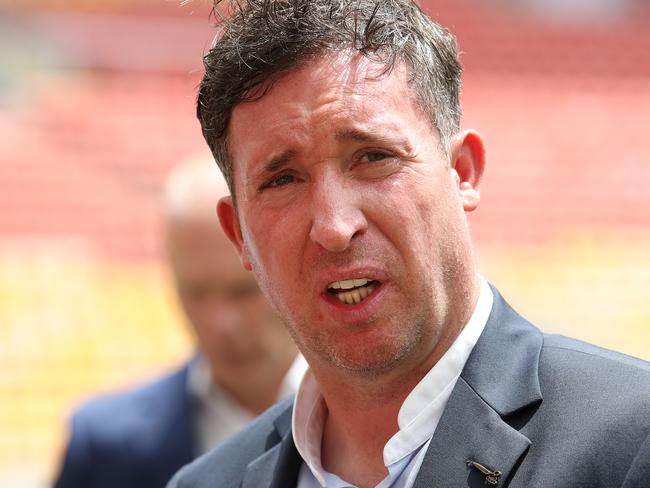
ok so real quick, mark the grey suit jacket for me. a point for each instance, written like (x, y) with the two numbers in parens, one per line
(545, 411)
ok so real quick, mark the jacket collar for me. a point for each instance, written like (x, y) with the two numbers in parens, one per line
(503, 367)
(279, 466)
(498, 390)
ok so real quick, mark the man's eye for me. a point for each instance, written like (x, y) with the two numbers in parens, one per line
(281, 180)
(379, 156)
(375, 164)
(376, 156)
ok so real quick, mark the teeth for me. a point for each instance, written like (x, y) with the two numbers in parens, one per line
(353, 290)
(363, 292)
(348, 284)
(355, 296)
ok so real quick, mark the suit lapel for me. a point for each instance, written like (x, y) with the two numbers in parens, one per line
(497, 391)
(469, 430)
(279, 466)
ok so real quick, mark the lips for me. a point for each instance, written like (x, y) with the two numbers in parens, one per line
(352, 291)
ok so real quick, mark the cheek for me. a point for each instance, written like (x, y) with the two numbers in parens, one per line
(270, 282)
(274, 239)
(437, 203)
(424, 222)
(409, 211)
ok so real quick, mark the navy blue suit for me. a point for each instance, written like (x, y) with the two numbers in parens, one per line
(543, 410)
(136, 439)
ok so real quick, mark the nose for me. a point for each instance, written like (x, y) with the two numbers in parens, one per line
(336, 215)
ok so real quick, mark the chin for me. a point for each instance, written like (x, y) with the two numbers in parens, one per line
(371, 359)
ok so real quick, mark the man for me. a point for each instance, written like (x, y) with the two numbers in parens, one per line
(140, 438)
(336, 124)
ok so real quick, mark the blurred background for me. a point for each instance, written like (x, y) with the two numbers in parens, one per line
(97, 104)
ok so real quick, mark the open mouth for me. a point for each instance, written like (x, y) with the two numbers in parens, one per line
(352, 291)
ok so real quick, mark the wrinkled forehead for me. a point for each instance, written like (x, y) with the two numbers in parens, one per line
(344, 79)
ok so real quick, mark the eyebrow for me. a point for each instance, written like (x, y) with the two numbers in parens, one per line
(360, 135)
(356, 135)
(278, 162)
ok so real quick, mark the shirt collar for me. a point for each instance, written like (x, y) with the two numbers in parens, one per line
(421, 411)
(292, 379)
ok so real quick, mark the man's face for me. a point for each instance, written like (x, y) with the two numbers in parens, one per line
(341, 183)
(235, 326)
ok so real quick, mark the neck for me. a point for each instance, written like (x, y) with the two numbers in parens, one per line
(362, 417)
(363, 410)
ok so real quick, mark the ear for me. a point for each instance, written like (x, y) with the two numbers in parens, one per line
(468, 162)
(230, 225)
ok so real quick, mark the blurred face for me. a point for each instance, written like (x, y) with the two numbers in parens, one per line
(234, 324)
(352, 217)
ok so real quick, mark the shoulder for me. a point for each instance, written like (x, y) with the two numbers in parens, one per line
(127, 410)
(572, 370)
(113, 434)
(562, 361)
(606, 392)
(227, 462)
(593, 411)
(593, 364)
(607, 383)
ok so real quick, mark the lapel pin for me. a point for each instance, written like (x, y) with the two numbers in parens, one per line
(491, 477)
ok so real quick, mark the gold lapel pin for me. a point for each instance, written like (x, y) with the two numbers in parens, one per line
(491, 477)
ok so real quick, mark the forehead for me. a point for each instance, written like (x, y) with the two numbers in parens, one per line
(334, 89)
(345, 71)
(329, 76)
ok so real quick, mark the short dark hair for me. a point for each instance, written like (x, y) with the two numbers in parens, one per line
(261, 39)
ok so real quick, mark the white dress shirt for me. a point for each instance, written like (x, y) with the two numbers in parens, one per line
(218, 415)
(417, 419)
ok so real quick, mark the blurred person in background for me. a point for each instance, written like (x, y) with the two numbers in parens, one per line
(245, 360)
